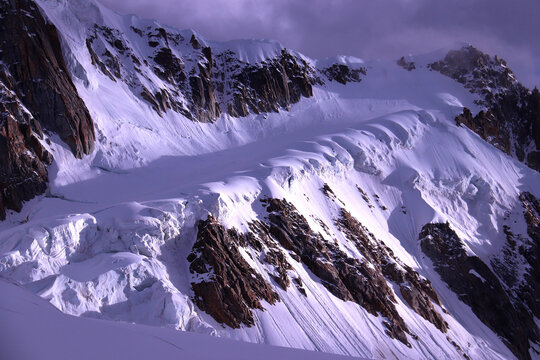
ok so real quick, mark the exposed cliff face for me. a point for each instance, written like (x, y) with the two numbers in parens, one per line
(225, 285)
(37, 93)
(531, 252)
(518, 264)
(477, 286)
(347, 278)
(511, 116)
(33, 56)
(407, 65)
(274, 84)
(227, 288)
(23, 160)
(202, 83)
(416, 290)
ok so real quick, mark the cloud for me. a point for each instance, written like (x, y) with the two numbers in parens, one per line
(364, 28)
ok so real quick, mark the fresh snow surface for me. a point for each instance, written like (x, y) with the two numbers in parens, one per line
(32, 328)
(110, 238)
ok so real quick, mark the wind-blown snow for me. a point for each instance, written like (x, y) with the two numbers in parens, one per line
(111, 237)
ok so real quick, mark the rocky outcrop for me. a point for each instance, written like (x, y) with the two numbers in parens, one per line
(204, 106)
(222, 276)
(417, 291)
(224, 284)
(510, 118)
(480, 73)
(530, 250)
(407, 65)
(344, 74)
(170, 68)
(23, 160)
(33, 56)
(477, 286)
(37, 95)
(518, 264)
(269, 86)
(347, 278)
(201, 85)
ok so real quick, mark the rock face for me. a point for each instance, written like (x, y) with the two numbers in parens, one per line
(23, 160)
(530, 250)
(226, 287)
(407, 65)
(510, 119)
(478, 287)
(344, 74)
(36, 93)
(416, 290)
(33, 56)
(201, 83)
(267, 87)
(518, 264)
(345, 277)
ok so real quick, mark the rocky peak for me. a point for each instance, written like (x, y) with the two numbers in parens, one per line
(224, 283)
(198, 83)
(23, 159)
(510, 119)
(407, 65)
(479, 72)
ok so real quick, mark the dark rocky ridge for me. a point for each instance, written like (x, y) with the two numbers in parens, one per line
(417, 291)
(365, 282)
(230, 288)
(347, 278)
(274, 84)
(37, 93)
(344, 74)
(202, 85)
(530, 250)
(518, 264)
(32, 52)
(23, 160)
(510, 119)
(477, 286)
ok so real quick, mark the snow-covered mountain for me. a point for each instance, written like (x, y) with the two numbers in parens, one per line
(243, 190)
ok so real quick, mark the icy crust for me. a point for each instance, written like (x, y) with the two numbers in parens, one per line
(104, 266)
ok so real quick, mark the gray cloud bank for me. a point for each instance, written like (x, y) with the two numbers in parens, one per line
(364, 28)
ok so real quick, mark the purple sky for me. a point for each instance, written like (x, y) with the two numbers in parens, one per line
(363, 28)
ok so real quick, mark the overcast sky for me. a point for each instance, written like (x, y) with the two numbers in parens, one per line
(365, 28)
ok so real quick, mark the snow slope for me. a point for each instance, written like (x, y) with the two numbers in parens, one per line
(111, 237)
(31, 328)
